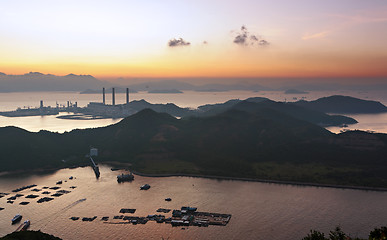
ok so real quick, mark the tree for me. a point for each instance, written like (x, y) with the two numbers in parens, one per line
(315, 235)
(337, 234)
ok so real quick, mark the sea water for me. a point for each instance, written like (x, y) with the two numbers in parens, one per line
(259, 210)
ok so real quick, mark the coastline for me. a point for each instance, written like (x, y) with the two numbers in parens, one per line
(302, 184)
(154, 175)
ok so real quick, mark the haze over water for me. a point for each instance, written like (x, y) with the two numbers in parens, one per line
(191, 99)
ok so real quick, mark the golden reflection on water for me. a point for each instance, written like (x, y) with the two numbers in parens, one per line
(259, 210)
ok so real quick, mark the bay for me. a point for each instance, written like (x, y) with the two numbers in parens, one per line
(259, 210)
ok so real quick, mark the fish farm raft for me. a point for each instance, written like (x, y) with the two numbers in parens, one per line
(186, 216)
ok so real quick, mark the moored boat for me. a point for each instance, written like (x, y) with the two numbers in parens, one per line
(16, 218)
(26, 225)
(125, 177)
(145, 187)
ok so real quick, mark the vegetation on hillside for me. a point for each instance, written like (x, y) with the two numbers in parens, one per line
(29, 235)
(250, 140)
(338, 234)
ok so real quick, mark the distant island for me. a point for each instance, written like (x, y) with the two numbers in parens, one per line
(295, 91)
(165, 91)
(343, 104)
(36, 81)
(256, 139)
(97, 110)
(108, 90)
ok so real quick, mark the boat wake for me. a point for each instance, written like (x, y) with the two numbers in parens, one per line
(57, 214)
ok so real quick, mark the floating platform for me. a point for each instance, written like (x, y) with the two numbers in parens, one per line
(187, 216)
(23, 188)
(127, 210)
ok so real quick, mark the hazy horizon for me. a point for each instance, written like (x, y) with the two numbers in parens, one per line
(197, 41)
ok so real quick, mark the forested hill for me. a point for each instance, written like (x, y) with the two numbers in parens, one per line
(247, 140)
(343, 104)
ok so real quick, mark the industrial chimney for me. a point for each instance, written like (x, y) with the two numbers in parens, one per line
(127, 95)
(113, 97)
(103, 96)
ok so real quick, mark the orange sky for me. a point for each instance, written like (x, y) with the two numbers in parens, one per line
(130, 39)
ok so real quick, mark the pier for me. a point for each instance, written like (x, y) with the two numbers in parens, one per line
(95, 167)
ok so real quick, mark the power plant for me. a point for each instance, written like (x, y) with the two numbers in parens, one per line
(103, 96)
(94, 110)
(113, 97)
(114, 110)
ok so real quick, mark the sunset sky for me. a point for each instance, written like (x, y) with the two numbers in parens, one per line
(201, 38)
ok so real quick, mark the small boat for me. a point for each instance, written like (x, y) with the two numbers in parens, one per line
(26, 225)
(145, 187)
(16, 218)
(125, 178)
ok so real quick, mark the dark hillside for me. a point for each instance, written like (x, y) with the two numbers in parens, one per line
(297, 112)
(343, 104)
(255, 140)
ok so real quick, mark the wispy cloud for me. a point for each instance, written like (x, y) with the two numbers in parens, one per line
(365, 16)
(346, 21)
(245, 38)
(178, 42)
(315, 35)
(263, 42)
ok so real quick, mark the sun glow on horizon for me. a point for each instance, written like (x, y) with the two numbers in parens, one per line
(218, 39)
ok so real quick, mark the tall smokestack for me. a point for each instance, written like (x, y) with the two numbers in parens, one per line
(113, 97)
(103, 96)
(127, 95)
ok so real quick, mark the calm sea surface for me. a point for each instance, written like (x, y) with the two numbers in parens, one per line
(259, 210)
(191, 99)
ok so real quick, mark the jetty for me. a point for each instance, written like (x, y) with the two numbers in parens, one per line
(95, 167)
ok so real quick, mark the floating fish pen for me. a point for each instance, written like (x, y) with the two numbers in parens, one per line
(87, 219)
(163, 210)
(23, 188)
(45, 199)
(14, 197)
(127, 210)
(32, 196)
(187, 216)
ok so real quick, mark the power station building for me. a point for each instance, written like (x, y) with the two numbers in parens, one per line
(114, 110)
